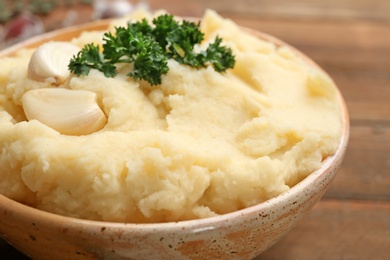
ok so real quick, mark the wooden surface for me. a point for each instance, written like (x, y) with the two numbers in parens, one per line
(351, 41)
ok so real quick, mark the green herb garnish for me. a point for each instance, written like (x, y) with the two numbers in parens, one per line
(148, 48)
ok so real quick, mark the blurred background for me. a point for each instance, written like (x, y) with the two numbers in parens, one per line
(350, 39)
(20, 19)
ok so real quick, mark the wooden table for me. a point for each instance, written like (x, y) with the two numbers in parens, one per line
(351, 40)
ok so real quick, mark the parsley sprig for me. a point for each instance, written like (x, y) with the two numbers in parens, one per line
(148, 47)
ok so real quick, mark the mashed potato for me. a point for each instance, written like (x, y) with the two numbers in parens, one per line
(200, 144)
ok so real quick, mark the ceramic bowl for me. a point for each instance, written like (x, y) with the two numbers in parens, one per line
(242, 234)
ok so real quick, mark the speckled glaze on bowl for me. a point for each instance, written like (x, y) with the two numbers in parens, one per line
(242, 234)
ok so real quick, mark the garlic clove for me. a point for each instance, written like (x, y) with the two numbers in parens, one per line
(49, 62)
(70, 112)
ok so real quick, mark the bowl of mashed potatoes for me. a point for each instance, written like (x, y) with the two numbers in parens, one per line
(202, 165)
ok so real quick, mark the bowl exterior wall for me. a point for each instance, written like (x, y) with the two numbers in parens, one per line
(239, 235)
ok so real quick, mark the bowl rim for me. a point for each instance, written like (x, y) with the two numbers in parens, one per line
(20, 209)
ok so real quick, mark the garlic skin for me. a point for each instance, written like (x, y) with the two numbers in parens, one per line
(70, 112)
(50, 62)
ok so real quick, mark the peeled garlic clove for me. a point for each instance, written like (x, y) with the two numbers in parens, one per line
(71, 112)
(50, 62)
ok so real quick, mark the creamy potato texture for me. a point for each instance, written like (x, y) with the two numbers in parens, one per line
(200, 144)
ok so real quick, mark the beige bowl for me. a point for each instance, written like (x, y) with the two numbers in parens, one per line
(242, 234)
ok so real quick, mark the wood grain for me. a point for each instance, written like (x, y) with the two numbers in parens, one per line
(377, 10)
(364, 174)
(338, 229)
(351, 40)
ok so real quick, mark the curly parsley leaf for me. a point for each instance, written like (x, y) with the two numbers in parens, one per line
(164, 24)
(147, 48)
(219, 56)
(91, 58)
(181, 44)
(150, 61)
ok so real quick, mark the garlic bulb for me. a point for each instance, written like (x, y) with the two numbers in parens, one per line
(50, 62)
(71, 112)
